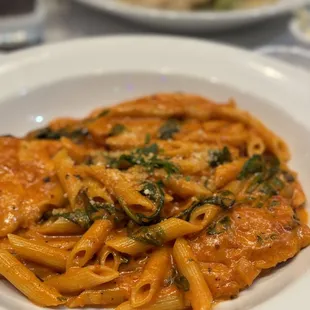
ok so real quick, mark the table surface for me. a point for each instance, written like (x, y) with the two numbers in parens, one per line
(67, 19)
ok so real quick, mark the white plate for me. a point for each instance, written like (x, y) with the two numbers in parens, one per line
(195, 21)
(71, 79)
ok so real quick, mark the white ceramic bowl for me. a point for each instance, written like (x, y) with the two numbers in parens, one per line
(72, 78)
(198, 20)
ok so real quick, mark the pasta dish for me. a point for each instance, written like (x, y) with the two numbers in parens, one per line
(167, 202)
(200, 4)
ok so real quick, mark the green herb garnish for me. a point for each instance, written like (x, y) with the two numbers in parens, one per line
(224, 199)
(219, 157)
(88, 211)
(147, 139)
(153, 192)
(103, 113)
(179, 280)
(167, 131)
(117, 130)
(48, 134)
(146, 157)
(149, 235)
(220, 226)
(253, 165)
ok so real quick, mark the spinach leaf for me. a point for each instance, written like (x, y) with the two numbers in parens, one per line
(48, 134)
(116, 130)
(147, 139)
(149, 235)
(219, 157)
(167, 130)
(79, 217)
(155, 193)
(103, 113)
(146, 157)
(224, 199)
(253, 165)
(268, 165)
(89, 210)
(220, 226)
(179, 280)
(181, 283)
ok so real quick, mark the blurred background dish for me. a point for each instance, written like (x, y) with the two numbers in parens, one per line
(200, 4)
(197, 20)
(300, 26)
(21, 23)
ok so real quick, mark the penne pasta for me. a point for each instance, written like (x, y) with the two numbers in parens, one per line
(151, 279)
(77, 279)
(39, 252)
(60, 227)
(26, 282)
(204, 215)
(255, 145)
(99, 297)
(200, 295)
(109, 258)
(166, 230)
(89, 244)
(168, 299)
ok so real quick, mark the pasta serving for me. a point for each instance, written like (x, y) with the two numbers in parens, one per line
(167, 202)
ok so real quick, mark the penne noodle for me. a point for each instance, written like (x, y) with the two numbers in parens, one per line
(255, 145)
(200, 295)
(151, 279)
(40, 271)
(109, 258)
(99, 297)
(121, 187)
(60, 227)
(168, 230)
(26, 282)
(227, 172)
(204, 215)
(77, 279)
(89, 244)
(168, 299)
(38, 252)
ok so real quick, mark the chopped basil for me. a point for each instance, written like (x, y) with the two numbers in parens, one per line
(153, 192)
(220, 226)
(78, 217)
(219, 157)
(48, 134)
(146, 157)
(117, 130)
(260, 239)
(179, 280)
(224, 199)
(147, 139)
(167, 131)
(149, 235)
(88, 211)
(253, 165)
(103, 113)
